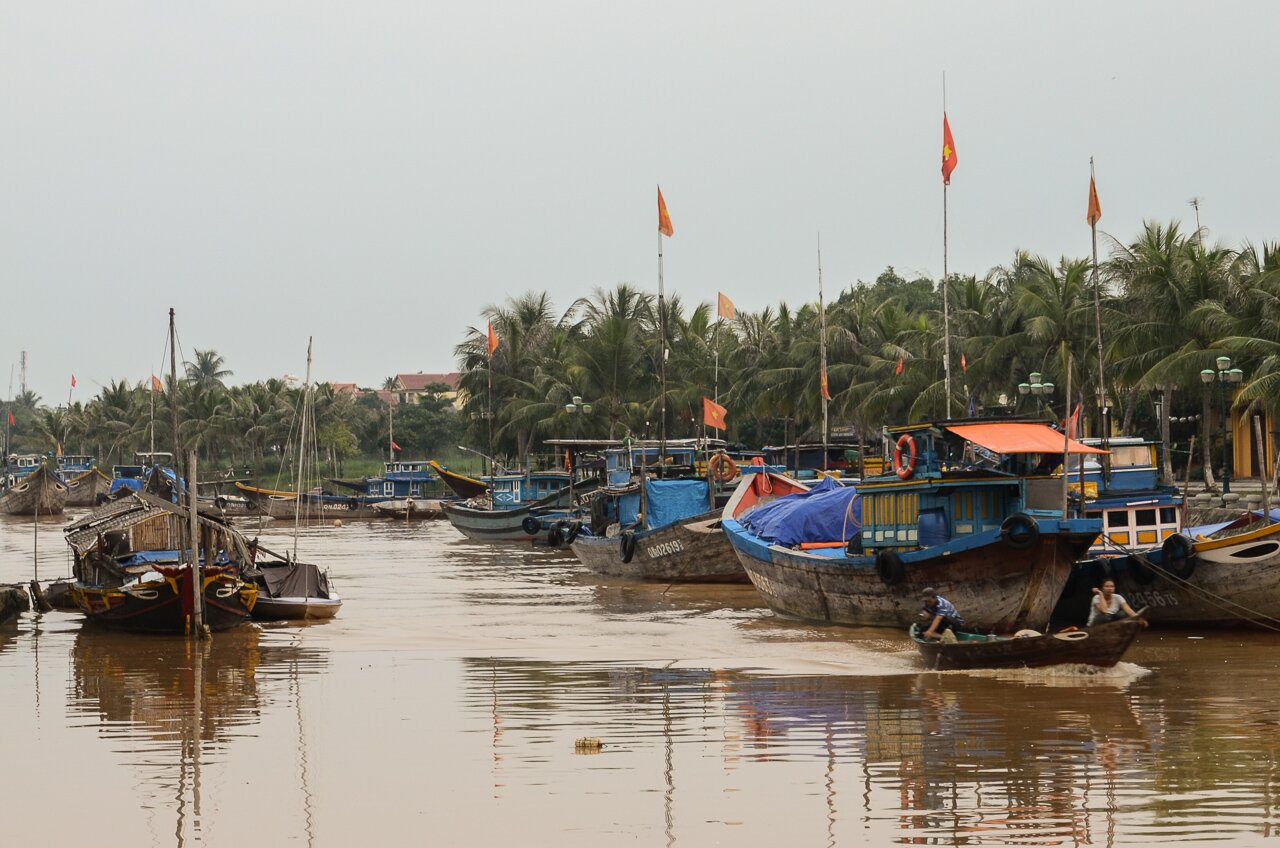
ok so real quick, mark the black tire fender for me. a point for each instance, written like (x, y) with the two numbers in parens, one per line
(530, 525)
(220, 502)
(1020, 531)
(627, 545)
(890, 567)
(555, 536)
(571, 531)
(1178, 554)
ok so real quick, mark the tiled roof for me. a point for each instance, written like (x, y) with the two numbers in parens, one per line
(418, 382)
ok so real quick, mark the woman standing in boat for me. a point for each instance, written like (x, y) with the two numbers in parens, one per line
(1107, 605)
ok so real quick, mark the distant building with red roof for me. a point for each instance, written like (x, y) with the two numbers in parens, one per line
(409, 388)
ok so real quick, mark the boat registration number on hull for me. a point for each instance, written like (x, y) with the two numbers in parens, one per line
(664, 548)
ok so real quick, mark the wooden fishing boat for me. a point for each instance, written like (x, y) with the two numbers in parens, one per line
(316, 505)
(978, 525)
(292, 591)
(693, 550)
(1102, 645)
(411, 508)
(39, 493)
(131, 575)
(87, 488)
(477, 519)
(462, 485)
(1231, 579)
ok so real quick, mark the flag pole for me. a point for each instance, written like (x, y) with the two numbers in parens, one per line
(662, 364)
(488, 415)
(1066, 439)
(822, 357)
(946, 300)
(1095, 213)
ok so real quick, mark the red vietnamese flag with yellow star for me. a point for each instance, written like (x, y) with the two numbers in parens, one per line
(949, 158)
(1095, 208)
(713, 414)
(823, 386)
(664, 218)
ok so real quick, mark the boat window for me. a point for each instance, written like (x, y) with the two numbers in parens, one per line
(1118, 518)
(1146, 517)
(1131, 456)
(1168, 515)
(1093, 515)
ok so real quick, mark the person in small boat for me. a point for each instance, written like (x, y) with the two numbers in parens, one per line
(1107, 605)
(940, 613)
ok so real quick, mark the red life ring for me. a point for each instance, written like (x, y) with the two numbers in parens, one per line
(905, 470)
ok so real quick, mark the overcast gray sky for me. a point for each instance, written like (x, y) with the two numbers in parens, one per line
(375, 174)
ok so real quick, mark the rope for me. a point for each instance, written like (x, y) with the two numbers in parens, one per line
(1225, 604)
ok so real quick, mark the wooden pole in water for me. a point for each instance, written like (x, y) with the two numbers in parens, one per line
(197, 573)
(1066, 440)
(1261, 456)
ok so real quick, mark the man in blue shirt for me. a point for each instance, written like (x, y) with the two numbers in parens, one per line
(940, 613)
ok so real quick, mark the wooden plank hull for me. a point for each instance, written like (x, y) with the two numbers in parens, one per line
(411, 508)
(691, 551)
(39, 493)
(13, 600)
(85, 489)
(285, 506)
(494, 525)
(164, 606)
(295, 609)
(1101, 646)
(994, 585)
(1233, 582)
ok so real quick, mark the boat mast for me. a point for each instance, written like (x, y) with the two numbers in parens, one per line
(391, 418)
(173, 396)
(302, 451)
(1095, 213)
(822, 356)
(662, 365)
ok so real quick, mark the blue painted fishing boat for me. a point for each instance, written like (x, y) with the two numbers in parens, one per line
(971, 508)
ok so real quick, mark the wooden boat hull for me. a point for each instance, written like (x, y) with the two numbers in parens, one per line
(411, 508)
(86, 488)
(691, 551)
(1232, 582)
(38, 493)
(13, 600)
(994, 585)
(1101, 646)
(462, 485)
(164, 606)
(496, 525)
(284, 506)
(295, 609)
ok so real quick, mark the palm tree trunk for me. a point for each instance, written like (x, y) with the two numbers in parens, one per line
(1206, 451)
(1166, 462)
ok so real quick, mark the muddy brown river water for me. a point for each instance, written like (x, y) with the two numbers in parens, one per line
(442, 707)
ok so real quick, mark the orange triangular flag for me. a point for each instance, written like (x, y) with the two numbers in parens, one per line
(1095, 208)
(823, 386)
(949, 158)
(713, 414)
(724, 307)
(493, 339)
(156, 385)
(664, 219)
(898, 369)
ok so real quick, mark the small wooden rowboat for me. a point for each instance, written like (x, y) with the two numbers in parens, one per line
(39, 493)
(1102, 645)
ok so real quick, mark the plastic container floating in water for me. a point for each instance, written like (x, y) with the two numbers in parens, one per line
(587, 745)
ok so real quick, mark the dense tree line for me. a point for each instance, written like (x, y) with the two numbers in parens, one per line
(1169, 303)
(242, 426)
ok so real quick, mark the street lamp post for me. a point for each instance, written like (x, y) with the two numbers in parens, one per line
(573, 408)
(1223, 375)
(1036, 387)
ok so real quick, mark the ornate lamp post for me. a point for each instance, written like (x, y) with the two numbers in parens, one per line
(1223, 375)
(1036, 387)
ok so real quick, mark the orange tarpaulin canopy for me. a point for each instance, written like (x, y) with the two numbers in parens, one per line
(1018, 438)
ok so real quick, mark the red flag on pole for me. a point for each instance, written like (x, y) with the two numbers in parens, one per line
(713, 414)
(156, 385)
(823, 386)
(73, 381)
(493, 339)
(11, 421)
(724, 307)
(949, 158)
(664, 219)
(964, 363)
(1095, 208)
(898, 368)
(394, 446)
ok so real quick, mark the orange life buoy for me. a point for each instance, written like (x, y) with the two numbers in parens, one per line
(904, 470)
(723, 468)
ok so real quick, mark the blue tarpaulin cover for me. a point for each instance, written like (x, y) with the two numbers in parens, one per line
(828, 512)
(669, 501)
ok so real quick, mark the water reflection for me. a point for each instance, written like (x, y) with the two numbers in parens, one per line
(171, 707)
(1066, 758)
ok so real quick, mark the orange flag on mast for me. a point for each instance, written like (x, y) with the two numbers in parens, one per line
(1095, 208)
(493, 339)
(724, 307)
(713, 414)
(949, 158)
(156, 385)
(823, 386)
(664, 219)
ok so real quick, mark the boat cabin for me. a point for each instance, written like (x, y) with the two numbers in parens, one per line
(72, 464)
(510, 490)
(20, 465)
(948, 480)
(404, 479)
(1136, 511)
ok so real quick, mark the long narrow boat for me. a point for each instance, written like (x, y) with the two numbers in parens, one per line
(1230, 579)
(969, 509)
(1102, 645)
(316, 506)
(411, 508)
(519, 523)
(678, 541)
(39, 493)
(293, 591)
(462, 485)
(87, 488)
